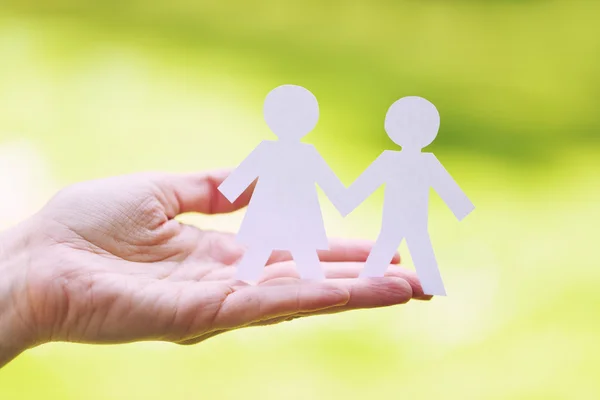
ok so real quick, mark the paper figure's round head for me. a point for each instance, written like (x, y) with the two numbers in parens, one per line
(412, 122)
(291, 111)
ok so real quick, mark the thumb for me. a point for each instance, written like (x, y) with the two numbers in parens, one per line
(198, 192)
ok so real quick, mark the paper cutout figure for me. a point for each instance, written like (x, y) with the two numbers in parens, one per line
(412, 123)
(284, 211)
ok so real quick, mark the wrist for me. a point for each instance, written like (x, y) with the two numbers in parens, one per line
(16, 332)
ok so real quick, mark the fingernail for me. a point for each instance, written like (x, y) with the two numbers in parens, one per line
(424, 297)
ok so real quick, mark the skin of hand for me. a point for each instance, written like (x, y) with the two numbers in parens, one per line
(106, 262)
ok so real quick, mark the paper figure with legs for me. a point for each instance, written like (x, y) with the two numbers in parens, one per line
(412, 123)
(284, 211)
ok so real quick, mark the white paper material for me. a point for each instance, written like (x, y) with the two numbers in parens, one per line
(284, 212)
(413, 123)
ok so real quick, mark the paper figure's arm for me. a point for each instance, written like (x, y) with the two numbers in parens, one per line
(243, 176)
(328, 181)
(366, 183)
(448, 189)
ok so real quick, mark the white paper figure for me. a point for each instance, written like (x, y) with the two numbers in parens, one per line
(412, 123)
(284, 212)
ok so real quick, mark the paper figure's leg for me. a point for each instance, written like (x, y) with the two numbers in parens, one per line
(252, 263)
(308, 264)
(382, 253)
(423, 257)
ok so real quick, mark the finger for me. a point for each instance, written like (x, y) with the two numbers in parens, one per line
(347, 270)
(287, 269)
(221, 247)
(364, 293)
(339, 250)
(258, 303)
(198, 192)
(179, 311)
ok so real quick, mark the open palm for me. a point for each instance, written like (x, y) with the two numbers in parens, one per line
(118, 267)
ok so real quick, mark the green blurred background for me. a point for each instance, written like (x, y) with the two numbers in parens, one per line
(93, 89)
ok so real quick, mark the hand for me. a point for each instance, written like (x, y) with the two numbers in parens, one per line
(106, 262)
